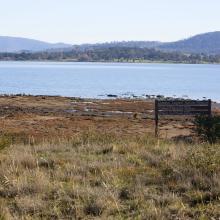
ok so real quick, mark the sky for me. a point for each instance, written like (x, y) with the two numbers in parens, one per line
(94, 21)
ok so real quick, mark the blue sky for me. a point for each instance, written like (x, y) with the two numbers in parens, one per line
(81, 21)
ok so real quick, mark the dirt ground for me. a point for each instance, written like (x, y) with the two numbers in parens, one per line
(61, 117)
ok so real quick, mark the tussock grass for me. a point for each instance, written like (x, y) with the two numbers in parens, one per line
(102, 176)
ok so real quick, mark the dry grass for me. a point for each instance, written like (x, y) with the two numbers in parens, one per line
(100, 176)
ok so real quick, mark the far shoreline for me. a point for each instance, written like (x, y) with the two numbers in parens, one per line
(110, 97)
(109, 62)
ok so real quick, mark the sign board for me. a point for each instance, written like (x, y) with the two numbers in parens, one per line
(181, 107)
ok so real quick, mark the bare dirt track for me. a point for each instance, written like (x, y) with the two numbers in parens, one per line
(46, 117)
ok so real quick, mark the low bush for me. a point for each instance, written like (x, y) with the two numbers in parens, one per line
(4, 142)
(208, 128)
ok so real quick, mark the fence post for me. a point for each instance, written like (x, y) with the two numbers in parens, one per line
(210, 108)
(156, 117)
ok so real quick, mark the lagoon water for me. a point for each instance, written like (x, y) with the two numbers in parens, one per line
(95, 80)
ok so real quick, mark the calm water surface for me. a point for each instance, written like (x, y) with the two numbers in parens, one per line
(93, 80)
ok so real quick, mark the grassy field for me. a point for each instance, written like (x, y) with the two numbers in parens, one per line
(102, 176)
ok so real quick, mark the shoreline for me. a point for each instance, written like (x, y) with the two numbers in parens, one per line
(44, 117)
(112, 97)
(112, 62)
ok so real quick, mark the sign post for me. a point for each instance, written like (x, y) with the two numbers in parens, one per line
(181, 108)
(156, 118)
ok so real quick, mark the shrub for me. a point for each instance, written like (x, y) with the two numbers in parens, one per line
(4, 142)
(93, 209)
(208, 128)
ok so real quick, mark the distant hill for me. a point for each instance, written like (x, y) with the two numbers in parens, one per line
(121, 44)
(208, 43)
(16, 44)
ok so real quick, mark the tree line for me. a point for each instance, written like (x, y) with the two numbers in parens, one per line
(111, 54)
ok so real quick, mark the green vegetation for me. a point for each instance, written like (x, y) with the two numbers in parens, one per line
(101, 176)
(208, 128)
(112, 54)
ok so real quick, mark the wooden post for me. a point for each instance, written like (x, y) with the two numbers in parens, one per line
(156, 117)
(210, 107)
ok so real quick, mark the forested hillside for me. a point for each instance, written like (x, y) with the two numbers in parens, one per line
(208, 43)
